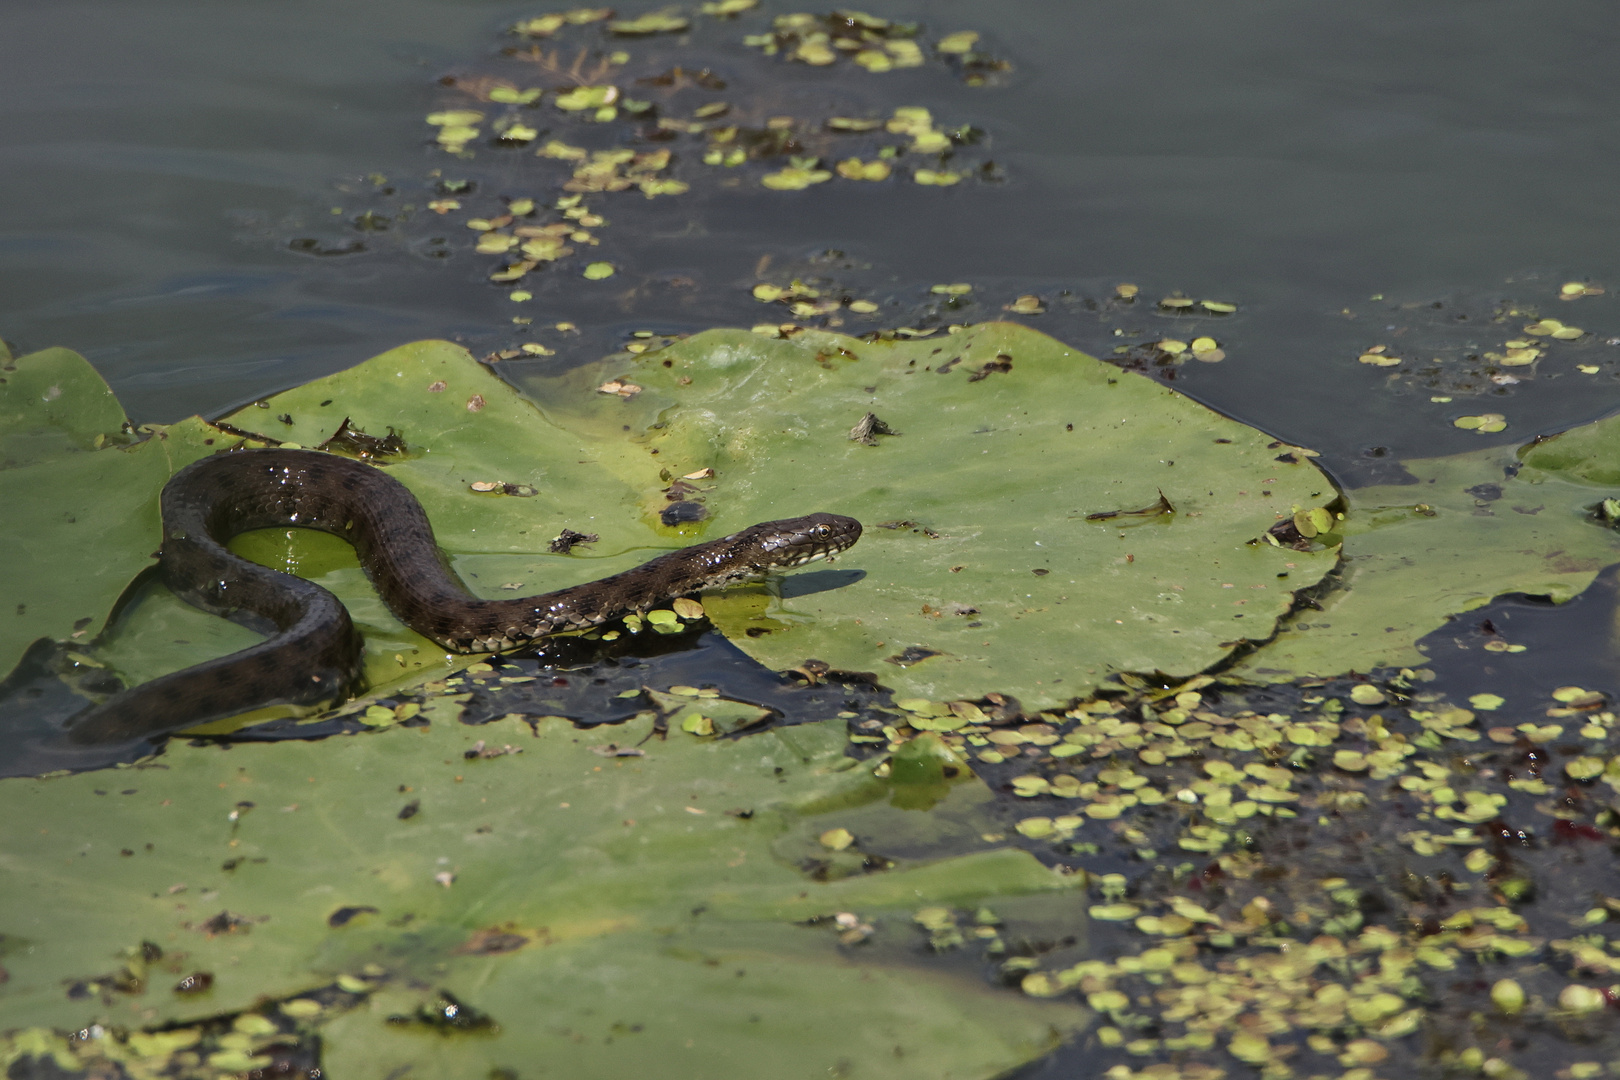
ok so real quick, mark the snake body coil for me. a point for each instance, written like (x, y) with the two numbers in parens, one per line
(313, 653)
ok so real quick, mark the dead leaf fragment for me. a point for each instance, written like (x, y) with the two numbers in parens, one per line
(615, 750)
(1157, 509)
(625, 390)
(868, 429)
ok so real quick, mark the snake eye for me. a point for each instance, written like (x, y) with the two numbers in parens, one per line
(823, 530)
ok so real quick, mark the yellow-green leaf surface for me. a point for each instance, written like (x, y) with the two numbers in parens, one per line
(1474, 526)
(1007, 441)
(1589, 454)
(614, 916)
(80, 517)
(52, 402)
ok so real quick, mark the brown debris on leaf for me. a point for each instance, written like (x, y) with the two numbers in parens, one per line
(625, 390)
(1000, 365)
(198, 982)
(1291, 455)
(912, 654)
(685, 503)
(349, 439)
(343, 916)
(226, 923)
(492, 940)
(1001, 708)
(615, 750)
(243, 433)
(501, 487)
(815, 672)
(684, 512)
(914, 526)
(565, 541)
(478, 751)
(868, 429)
(1286, 534)
(1158, 509)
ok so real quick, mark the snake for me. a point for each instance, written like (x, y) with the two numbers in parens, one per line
(311, 655)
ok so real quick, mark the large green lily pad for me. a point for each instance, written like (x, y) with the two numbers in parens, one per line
(613, 915)
(990, 577)
(80, 514)
(1008, 441)
(1474, 526)
(1589, 454)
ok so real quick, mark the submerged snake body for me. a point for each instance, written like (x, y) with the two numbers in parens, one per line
(313, 653)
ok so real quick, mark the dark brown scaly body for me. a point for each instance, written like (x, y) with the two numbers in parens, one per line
(313, 653)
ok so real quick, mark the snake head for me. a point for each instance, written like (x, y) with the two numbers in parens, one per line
(796, 541)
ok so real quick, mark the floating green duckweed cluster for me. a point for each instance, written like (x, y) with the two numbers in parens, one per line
(1163, 355)
(1469, 346)
(278, 1037)
(1483, 424)
(1267, 920)
(682, 132)
(876, 44)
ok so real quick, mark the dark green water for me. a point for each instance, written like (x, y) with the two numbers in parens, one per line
(1298, 159)
(1294, 158)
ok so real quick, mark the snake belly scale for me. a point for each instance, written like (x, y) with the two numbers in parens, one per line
(313, 652)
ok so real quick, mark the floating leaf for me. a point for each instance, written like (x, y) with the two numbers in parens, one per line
(668, 21)
(794, 178)
(454, 136)
(856, 169)
(697, 724)
(455, 118)
(998, 401)
(1484, 424)
(1554, 329)
(1584, 768)
(573, 882)
(836, 839)
(511, 95)
(586, 97)
(1413, 564)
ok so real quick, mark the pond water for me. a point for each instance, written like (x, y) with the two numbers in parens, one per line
(1347, 175)
(1295, 159)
